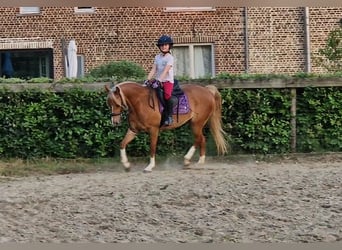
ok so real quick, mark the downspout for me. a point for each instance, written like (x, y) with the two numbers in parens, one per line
(307, 40)
(246, 40)
(64, 56)
(307, 70)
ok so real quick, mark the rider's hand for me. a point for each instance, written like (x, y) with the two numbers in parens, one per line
(155, 84)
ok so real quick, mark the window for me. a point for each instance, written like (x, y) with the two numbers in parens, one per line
(80, 65)
(194, 61)
(188, 9)
(27, 64)
(29, 10)
(84, 9)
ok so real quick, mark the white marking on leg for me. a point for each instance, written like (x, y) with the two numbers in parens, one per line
(151, 165)
(201, 159)
(124, 159)
(189, 155)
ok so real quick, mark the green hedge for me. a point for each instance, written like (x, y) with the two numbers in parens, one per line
(319, 120)
(76, 123)
(258, 121)
(71, 124)
(38, 124)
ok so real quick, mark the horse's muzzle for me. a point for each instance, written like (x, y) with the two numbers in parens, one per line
(115, 122)
(115, 119)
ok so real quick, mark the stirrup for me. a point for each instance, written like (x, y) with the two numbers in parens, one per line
(168, 121)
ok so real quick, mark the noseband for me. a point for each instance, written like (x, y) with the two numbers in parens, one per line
(115, 114)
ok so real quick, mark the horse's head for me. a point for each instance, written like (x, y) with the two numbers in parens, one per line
(116, 102)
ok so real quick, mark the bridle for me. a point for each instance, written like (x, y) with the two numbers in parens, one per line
(122, 105)
(115, 114)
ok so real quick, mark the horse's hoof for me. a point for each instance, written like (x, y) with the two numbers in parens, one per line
(187, 162)
(126, 164)
(147, 171)
(127, 169)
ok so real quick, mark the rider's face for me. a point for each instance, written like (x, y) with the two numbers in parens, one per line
(164, 47)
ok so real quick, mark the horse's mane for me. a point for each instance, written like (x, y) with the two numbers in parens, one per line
(121, 93)
(126, 82)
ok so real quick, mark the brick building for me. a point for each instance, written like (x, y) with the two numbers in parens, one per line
(209, 40)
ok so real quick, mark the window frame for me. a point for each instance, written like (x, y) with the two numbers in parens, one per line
(84, 10)
(29, 10)
(191, 47)
(188, 9)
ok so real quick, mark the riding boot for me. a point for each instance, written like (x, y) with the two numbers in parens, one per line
(168, 114)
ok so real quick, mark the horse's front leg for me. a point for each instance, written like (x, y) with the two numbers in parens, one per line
(153, 147)
(130, 135)
(189, 155)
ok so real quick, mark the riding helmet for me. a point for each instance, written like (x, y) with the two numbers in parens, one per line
(164, 39)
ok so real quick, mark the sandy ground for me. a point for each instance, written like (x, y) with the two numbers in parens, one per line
(296, 200)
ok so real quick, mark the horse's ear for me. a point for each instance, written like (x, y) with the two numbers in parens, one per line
(107, 88)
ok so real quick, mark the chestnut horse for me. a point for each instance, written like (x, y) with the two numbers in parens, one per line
(142, 104)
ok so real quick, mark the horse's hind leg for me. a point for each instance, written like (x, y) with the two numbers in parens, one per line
(199, 142)
(130, 135)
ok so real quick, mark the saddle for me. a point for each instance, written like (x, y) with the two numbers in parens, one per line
(179, 99)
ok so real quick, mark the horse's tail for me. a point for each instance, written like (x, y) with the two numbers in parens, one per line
(215, 122)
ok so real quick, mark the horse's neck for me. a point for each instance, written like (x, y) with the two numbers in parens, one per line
(132, 93)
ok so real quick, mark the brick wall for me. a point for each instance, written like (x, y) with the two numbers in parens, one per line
(276, 40)
(276, 35)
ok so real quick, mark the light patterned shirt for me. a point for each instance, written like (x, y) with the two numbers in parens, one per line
(161, 61)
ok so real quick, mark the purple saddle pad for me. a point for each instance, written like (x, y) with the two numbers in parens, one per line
(184, 106)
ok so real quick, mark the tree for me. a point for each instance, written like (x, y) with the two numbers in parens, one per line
(330, 57)
(121, 70)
